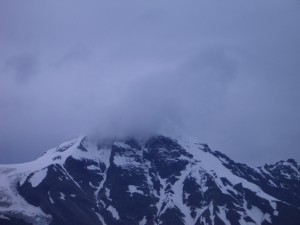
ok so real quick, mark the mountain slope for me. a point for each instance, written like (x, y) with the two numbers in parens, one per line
(158, 181)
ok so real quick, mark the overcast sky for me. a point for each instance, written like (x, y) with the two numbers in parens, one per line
(225, 72)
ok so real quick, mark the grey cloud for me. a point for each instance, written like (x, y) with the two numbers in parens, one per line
(77, 54)
(226, 73)
(23, 66)
(171, 101)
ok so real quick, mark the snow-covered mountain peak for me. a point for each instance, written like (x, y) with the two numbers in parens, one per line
(161, 180)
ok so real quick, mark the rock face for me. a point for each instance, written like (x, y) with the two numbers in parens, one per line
(158, 181)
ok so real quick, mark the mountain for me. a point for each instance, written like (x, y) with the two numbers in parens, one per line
(161, 180)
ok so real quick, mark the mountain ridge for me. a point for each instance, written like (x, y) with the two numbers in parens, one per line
(161, 180)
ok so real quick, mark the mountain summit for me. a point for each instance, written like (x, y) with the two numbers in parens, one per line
(162, 180)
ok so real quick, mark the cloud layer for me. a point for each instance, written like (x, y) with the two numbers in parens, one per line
(226, 73)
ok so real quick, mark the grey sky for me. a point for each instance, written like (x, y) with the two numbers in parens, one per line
(225, 72)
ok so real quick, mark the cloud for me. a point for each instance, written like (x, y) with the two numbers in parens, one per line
(23, 66)
(226, 73)
(77, 54)
(171, 101)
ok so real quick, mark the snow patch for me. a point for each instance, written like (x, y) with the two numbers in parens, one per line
(62, 196)
(133, 189)
(143, 221)
(91, 184)
(92, 167)
(51, 200)
(100, 218)
(64, 146)
(114, 212)
(274, 206)
(214, 166)
(38, 177)
(4, 217)
(14, 203)
(222, 215)
(272, 183)
(22, 181)
(125, 161)
(121, 145)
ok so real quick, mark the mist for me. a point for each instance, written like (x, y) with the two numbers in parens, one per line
(224, 73)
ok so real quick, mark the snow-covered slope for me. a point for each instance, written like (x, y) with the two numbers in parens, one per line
(161, 180)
